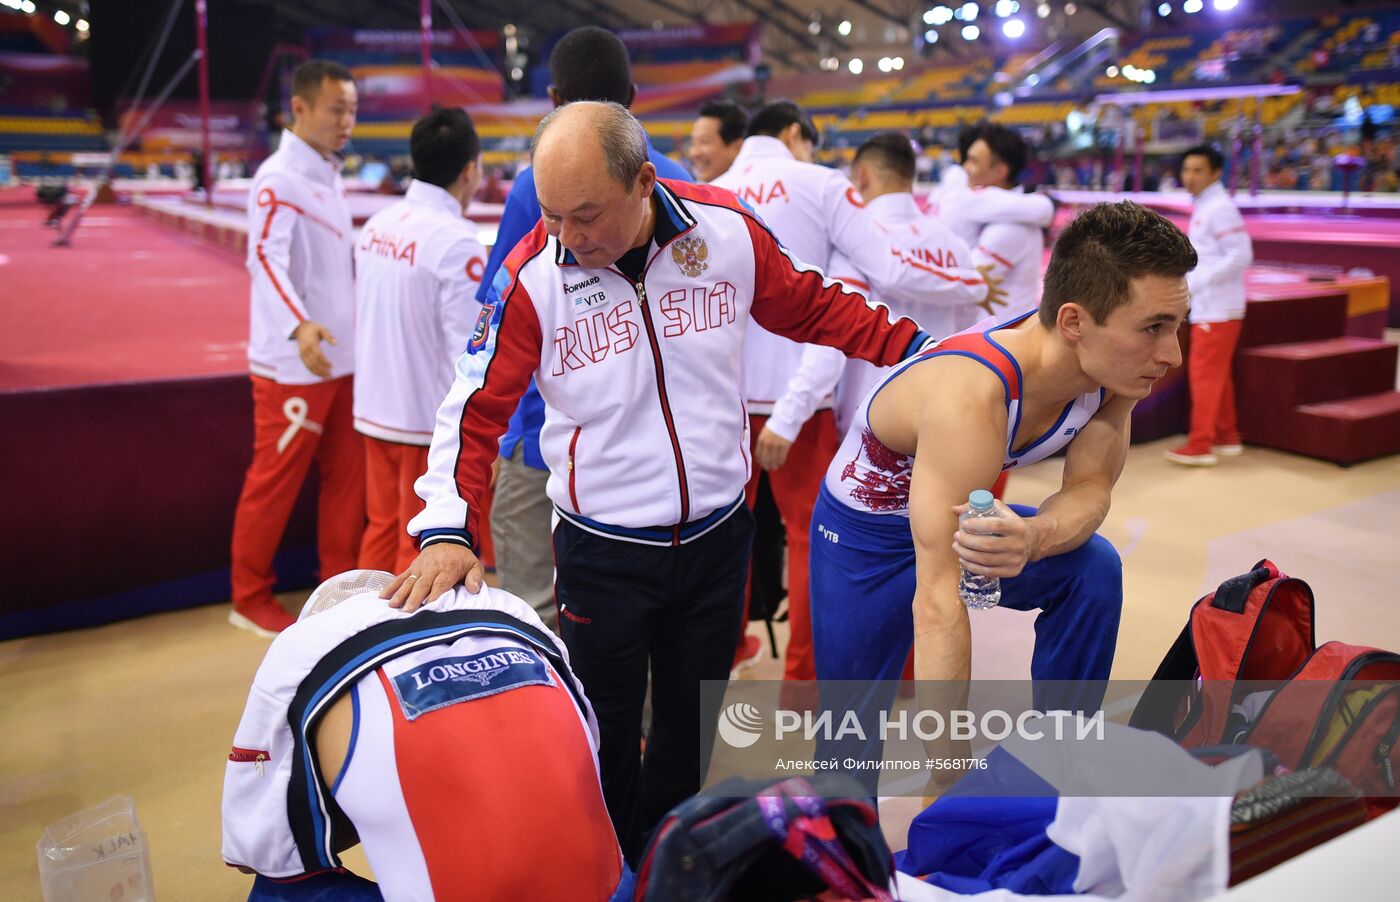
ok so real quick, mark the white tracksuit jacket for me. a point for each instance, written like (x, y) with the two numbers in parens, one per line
(1004, 229)
(1225, 251)
(941, 315)
(815, 212)
(417, 268)
(300, 257)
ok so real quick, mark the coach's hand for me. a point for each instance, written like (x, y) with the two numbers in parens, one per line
(996, 295)
(771, 449)
(998, 546)
(309, 336)
(436, 569)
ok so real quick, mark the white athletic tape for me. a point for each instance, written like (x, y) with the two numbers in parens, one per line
(295, 409)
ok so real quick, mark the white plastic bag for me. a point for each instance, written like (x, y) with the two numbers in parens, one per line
(97, 855)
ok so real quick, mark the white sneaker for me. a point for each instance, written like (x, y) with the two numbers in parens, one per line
(1227, 450)
(244, 623)
(1191, 460)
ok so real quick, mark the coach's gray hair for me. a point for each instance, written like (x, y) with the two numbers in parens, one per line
(623, 138)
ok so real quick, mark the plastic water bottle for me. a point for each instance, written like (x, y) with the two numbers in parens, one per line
(979, 592)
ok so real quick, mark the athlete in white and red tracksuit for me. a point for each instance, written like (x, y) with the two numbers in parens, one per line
(884, 175)
(815, 212)
(1217, 310)
(418, 265)
(1004, 227)
(638, 357)
(300, 348)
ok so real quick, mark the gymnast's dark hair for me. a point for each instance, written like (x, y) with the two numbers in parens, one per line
(307, 78)
(1104, 248)
(591, 63)
(1213, 157)
(732, 119)
(441, 145)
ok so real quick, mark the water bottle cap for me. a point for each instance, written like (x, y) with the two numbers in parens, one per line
(981, 500)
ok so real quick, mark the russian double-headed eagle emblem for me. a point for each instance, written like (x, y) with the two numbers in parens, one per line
(690, 255)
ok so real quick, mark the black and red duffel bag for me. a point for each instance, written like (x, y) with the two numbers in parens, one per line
(1246, 670)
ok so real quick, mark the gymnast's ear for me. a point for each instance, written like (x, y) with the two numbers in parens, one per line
(1071, 319)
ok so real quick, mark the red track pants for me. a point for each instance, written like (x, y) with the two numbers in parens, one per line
(292, 426)
(391, 469)
(1211, 372)
(795, 485)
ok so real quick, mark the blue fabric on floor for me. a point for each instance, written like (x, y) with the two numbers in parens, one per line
(989, 832)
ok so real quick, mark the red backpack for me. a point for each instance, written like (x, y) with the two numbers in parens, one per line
(1246, 669)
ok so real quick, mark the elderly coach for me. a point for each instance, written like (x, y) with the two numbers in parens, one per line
(628, 305)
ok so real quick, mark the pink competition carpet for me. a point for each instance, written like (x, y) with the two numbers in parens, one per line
(124, 390)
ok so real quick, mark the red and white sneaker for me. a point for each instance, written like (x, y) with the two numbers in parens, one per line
(1233, 449)
(1190, 457)
(266, 620)
(749, 651)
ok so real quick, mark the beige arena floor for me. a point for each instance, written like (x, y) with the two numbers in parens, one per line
(147, 707)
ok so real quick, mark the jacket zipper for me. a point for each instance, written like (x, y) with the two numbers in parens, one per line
(661, 380)
(573, 487)
(254, 756)
(665, 408)
(744, 437)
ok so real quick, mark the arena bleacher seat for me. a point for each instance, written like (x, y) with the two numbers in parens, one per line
(1363, 41)
(35, 130)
